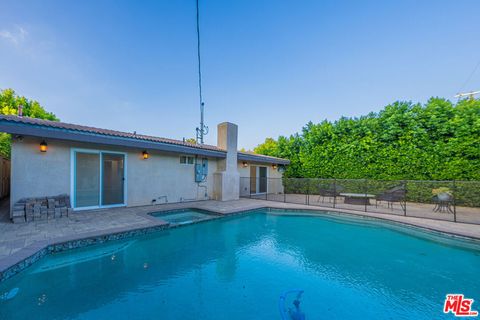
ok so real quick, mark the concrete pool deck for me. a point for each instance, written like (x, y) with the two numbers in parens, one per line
(20, 241)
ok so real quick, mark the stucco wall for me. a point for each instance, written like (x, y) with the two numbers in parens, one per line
(162, 175)
(274, 184)
(37, 174)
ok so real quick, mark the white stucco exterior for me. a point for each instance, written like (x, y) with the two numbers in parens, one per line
(161, 177)
(37, 174)
(274, 177)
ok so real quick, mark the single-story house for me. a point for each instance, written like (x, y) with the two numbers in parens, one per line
(100, 168)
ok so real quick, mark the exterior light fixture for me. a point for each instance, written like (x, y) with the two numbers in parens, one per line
(245, 164)
(274, 166)
(43, 146)
(145, 154)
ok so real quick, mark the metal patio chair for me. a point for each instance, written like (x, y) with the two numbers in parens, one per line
(330, 191)
(392, 195)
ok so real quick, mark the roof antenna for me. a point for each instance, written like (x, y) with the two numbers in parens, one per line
(203, 129)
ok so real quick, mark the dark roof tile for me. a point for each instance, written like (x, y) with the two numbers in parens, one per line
(127, 135)
(86, 129)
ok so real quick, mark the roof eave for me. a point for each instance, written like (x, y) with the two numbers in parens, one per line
(261, 159)
(72, 135)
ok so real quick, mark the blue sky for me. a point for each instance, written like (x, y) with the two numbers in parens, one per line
(269, 66)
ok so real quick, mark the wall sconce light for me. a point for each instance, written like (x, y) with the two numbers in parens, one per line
(274, 166)
(245, 164)
(43, 146)
(145, 154)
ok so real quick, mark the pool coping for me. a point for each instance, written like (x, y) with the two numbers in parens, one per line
(384, 221)
(24, 258)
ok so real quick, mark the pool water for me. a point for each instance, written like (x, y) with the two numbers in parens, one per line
(238, 267)
(183, 216)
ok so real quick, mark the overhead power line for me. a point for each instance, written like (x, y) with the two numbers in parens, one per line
(469, 77)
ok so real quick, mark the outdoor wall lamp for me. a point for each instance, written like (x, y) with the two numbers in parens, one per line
(245, 164)
(274, 166)
(43, 146)
(145, 154)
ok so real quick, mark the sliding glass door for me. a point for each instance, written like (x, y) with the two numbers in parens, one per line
(258, 179)
(253, 179)
(87, 179)
(113, 178)
(99, 179)
(262, 180)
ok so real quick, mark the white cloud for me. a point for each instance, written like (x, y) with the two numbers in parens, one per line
(15, 36)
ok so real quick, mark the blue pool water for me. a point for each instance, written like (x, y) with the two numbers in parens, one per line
(237, 268)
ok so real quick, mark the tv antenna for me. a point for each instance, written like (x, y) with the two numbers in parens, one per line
(470, 94)
(202, 129)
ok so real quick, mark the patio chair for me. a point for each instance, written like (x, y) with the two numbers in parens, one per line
(330, 191)
(395, 194)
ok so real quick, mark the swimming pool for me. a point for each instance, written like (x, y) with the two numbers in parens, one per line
(238, 267)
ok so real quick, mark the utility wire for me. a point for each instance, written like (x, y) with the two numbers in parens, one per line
(469, 77)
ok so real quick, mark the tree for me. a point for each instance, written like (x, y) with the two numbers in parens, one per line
(269, 147)
(9, 102)
(191, 140)
(438, 140)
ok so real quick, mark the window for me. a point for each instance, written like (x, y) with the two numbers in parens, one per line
(187, 159)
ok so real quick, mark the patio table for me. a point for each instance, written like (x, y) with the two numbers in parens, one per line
(357, 198)
(443, 202)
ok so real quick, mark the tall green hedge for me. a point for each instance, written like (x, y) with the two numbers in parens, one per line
(439, 140)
